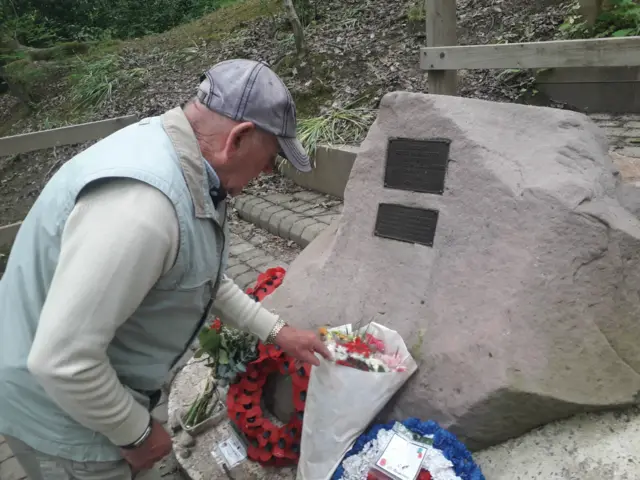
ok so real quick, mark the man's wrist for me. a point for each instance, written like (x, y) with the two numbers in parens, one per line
(146, 434)
(279, 325)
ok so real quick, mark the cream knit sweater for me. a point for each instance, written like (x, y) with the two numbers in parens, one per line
(105, 269)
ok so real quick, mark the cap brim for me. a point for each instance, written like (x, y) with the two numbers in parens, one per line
(293, 151)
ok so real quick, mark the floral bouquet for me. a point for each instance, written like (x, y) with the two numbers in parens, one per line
(362, 351)
(228, 350)
(369, 365)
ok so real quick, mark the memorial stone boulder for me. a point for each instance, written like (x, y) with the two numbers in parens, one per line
(494, 228)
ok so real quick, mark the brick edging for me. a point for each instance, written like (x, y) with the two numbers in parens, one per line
(292, 217)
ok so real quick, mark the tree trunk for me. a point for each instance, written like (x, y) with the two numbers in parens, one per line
(296, 25)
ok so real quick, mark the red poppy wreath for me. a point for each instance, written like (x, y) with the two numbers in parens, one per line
(268, 444)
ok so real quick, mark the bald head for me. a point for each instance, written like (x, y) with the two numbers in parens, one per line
(237, 151)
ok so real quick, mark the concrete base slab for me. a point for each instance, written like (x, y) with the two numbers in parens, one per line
(585, 447)
(197, 456)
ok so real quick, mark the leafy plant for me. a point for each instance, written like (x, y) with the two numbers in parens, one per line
(621, 18)
(228, 350)
(41, 23)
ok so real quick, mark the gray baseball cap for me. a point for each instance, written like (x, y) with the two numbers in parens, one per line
(249, 91)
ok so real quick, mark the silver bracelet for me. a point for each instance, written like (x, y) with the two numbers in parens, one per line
(142, 438)
(280, 324)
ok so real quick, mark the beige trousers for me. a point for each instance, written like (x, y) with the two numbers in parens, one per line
(40, 466)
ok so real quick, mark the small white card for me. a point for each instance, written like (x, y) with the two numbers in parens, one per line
(401, 458)
(232, 450)
(344, 329)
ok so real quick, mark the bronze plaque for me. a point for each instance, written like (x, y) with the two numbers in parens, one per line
(417, 165)
(406, 224)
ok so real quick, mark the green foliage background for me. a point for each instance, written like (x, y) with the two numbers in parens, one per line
(621, 18)
(43, 23)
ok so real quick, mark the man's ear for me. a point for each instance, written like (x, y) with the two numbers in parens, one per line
(237, 137)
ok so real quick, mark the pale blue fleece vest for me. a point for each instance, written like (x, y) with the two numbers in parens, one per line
(159, 332)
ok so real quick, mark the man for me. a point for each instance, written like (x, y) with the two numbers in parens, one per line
(117, 266)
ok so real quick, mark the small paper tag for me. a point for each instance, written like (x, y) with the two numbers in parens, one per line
(401, 458)
(344, 329)
(233, 451)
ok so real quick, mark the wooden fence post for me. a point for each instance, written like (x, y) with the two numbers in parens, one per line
(441, 31)
(590, 10)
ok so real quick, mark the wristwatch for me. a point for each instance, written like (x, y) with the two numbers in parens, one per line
(142, 438)
(280, 324)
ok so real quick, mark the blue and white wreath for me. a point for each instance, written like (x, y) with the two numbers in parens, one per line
(446, 459)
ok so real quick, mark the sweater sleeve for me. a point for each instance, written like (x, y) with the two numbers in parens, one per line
(239, 310)
(118, 240)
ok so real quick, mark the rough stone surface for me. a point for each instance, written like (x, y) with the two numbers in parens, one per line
(586, 447)
(200, 463)
(529, 296)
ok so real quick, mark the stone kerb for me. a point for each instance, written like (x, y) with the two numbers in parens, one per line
(332, 166)
(528, 292)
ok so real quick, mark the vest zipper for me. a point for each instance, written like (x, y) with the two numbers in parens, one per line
(214, 291)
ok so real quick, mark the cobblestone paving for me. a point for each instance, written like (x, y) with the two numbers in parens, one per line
(9, 467)
(298, 217)
(623, 132)
(252, 250)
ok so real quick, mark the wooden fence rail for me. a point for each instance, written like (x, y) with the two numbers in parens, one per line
(442, 57)
(56, 137)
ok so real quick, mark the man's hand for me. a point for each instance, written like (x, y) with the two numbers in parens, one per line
(155, 448)
(302, 345)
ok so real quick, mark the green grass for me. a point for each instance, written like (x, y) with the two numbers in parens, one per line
(334, 127)
(213, 27)
(93, 82)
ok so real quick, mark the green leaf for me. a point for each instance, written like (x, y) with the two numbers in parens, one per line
(198, 353)
(223, 357)
(210, 342)
(625, 32)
